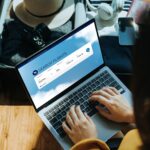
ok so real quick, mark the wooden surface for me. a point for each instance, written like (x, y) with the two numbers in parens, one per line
(20, 126)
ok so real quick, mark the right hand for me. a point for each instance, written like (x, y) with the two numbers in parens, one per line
(79, 125)
(118, 108)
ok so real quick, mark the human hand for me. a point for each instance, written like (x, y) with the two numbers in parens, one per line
(79, 125)
(118, 108)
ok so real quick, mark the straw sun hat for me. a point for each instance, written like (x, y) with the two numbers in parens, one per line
(53, 13)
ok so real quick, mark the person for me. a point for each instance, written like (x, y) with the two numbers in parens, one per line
(81, 129)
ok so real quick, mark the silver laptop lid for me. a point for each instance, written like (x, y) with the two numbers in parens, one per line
(51, 72)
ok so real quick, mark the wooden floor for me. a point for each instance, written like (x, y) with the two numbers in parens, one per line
(20, 126)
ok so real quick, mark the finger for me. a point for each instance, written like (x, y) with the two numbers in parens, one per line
(79, 113)
(98, 91)
(100, 99)
(66, 128)
(109, 91)
(69, 121)
(95, 92)
(114, 90)
(104, 113)
(73, 115)
(88, 118)
(102, 93)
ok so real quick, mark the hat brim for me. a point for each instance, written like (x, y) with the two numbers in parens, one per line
(52, 22)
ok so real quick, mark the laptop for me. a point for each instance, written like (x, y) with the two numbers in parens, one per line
(65, 73)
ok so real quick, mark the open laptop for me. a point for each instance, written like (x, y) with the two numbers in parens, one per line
(65, 73)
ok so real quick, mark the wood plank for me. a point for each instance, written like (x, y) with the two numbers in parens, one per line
(20, 126)
(22, 129)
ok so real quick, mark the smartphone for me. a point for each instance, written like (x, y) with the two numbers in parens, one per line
(126, 33)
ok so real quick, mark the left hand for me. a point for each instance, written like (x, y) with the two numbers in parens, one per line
(79, 125)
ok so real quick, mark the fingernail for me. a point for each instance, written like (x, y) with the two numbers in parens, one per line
(92, 93)
(97, 107)
(109, 100)
(85, 113)
(100, 96)
(90, 98)
(72, 106)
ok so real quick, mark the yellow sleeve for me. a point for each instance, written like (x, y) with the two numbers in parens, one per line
(90, 144)
(131, 141)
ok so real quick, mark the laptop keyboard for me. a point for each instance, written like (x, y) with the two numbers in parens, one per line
(80, 97)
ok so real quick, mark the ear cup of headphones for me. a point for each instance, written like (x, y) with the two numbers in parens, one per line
(105, 11)
(117, 5)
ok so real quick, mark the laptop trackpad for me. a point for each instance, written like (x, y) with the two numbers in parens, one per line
(105, 128)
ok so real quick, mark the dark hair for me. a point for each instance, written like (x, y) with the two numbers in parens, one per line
(141, 79)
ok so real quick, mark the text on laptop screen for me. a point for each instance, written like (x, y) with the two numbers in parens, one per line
(57, 68)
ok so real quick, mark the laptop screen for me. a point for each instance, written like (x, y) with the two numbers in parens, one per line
(57, 67)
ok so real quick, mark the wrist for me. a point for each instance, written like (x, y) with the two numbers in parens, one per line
(130, 117)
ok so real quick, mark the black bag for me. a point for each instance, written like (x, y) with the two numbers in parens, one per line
(19, 41)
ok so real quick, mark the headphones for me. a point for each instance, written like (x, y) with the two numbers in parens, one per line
(106, 11)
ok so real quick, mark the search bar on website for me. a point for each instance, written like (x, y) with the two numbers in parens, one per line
(63, 66)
